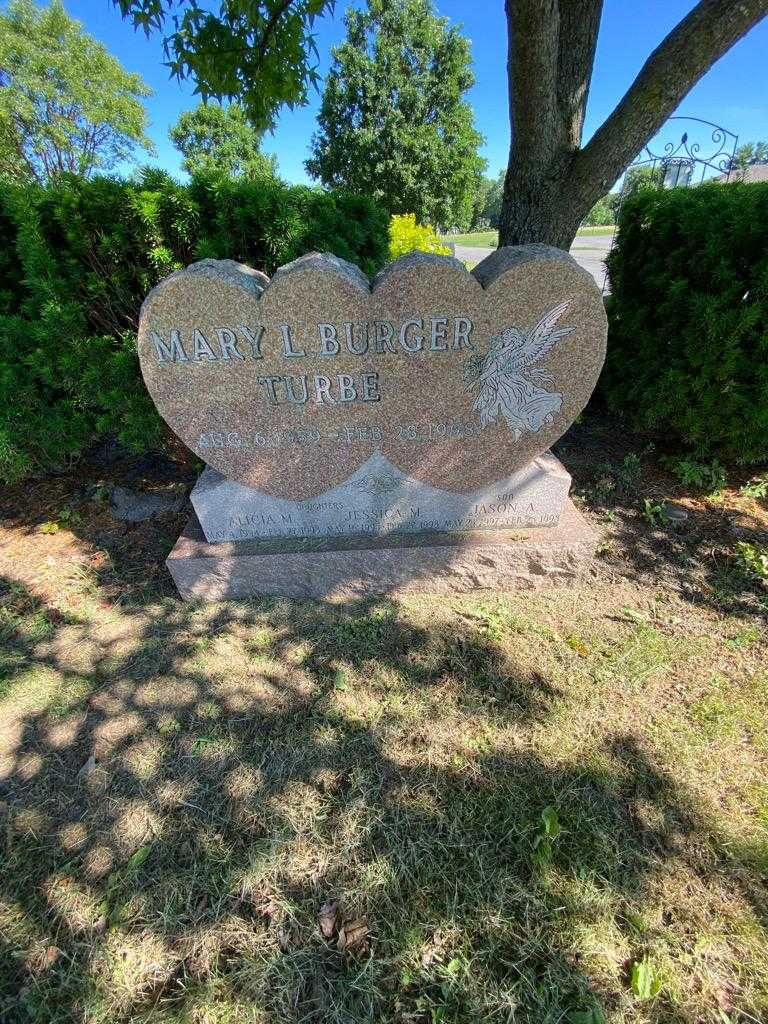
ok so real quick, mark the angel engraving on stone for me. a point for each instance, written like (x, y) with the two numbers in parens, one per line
(509, 383)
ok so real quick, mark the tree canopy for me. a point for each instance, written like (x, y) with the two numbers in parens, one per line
(220, 139)
(393, 122)
(259, 51)
(66, 104)
(748, 154)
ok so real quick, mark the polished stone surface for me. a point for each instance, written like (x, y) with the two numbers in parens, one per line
(457, 379)
(377, 500)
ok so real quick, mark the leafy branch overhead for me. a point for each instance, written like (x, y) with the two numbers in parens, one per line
(260, 52)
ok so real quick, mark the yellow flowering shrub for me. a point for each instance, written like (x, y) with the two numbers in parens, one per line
(405, 234)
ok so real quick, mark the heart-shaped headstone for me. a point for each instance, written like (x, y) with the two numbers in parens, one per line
(458, 379)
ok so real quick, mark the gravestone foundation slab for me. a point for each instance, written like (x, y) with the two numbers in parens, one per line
(378, 499)
(348, 567)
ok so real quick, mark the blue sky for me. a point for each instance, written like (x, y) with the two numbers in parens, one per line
(734, 93)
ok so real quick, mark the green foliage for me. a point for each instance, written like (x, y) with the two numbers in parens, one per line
(706, 476)
(753, 559)
(393, 123)
(654, 513)
(640, 179)
(66, 105)
(256, 51)
(688, 344)
(405, 235)
(646, 980)
(748, 154)
(757, 487)
(215, 139)
(544, 840)
(601, 213)
(76, 260)
(489, 193)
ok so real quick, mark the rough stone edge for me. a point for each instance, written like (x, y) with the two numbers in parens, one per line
(324, 262)
(228, 271)
(510, 256)
(550, 555)
(415, 260)
(239, 273)
(257, 283)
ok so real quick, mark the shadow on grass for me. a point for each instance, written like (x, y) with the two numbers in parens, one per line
(185, 787)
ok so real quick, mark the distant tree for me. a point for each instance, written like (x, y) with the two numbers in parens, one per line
(483, 187)
(749, 154)
(66, 104)
(216, 138)
(601, 213)
(259, 51)
(638, 178)
(494, 199)
(393, 122)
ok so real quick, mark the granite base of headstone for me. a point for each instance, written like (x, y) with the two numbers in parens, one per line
(382, 532)
(348, 567)
(377, 439)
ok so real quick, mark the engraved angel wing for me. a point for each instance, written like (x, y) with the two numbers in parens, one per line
(509, 384)
(540, 339)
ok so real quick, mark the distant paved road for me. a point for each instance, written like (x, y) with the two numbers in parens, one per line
(589, 251)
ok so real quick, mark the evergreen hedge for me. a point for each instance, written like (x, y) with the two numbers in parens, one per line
(688, 313)
(77, 259)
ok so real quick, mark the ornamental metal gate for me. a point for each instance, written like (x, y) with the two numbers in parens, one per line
(704, 150)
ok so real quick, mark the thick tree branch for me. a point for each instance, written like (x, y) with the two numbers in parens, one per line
(670, 72)
(579, 25)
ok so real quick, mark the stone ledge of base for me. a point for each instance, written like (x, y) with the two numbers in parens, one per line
(571, 531)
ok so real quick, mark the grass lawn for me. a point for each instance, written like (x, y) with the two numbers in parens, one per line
(490, 238)
(537, 807)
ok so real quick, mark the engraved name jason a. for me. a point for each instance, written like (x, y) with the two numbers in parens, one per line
(241, 342)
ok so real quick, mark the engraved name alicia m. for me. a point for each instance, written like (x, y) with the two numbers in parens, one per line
(507, 381)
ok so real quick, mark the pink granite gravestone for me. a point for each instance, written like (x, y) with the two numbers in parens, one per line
(345, 414)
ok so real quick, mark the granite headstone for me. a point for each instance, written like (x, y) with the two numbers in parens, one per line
(422, 405)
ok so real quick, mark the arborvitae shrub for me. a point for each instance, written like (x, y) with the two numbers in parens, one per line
(77, 259)
(688, 312)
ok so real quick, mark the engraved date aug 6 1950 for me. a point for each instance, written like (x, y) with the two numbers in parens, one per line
(405, 433)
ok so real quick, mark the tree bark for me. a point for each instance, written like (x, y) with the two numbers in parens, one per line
(552, 183)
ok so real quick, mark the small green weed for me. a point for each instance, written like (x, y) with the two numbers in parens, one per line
(65, 517)
(593, 1015)
(544, 840)
(753, 559)
(622, 477)
(757, 487)
(362, 636)
(646, 980)
(654, 513)
(169, 727)
(744, 638)
(704, 476)
(494, 619)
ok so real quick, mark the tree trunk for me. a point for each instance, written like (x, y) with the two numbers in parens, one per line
(551, 183)
(536, 210)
